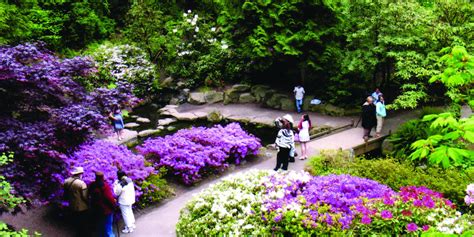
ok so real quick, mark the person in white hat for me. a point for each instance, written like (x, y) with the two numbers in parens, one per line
(75, 192)
(284, 141)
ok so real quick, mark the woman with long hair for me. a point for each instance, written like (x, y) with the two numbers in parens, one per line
(304, 126)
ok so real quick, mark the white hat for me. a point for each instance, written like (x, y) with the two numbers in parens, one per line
(77, 170)
(289, 118)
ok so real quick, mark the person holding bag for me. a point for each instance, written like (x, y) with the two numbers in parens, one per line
(285, 142)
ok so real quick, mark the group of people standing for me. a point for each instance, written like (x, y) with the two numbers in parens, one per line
(99, 201)
(373, 114)
(285, 140)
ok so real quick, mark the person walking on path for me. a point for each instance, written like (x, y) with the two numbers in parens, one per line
(124, 190)
(103, 204)
(380, 114)
(376, 94)
(368, 117)
(75, 192)
(284, 141)
(299, 94)
(117, 122)
(304, 126)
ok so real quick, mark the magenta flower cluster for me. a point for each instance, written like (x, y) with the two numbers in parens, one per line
(324, 204)
(192, 153)
(333, 200)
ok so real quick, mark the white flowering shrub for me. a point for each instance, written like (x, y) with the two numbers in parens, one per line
(198, 51)
(125, 63)
(231, 201)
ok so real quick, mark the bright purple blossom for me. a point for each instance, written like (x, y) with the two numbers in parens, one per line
(386, 214)
(192, 153)
(366, 220)
(425, 227)
(412, 227)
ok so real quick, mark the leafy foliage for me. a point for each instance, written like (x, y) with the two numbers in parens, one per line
(126, 64)
(46, 113)
(449, 144)
(61, 24)
(396, 174)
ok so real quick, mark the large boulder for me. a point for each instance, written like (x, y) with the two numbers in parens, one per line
(167, 82)
(246, 98)
(143, 120)
(166, 121)
(214, 116)
(197, 98)
(131, 125)
(148, 132)
(231, 96)
(241, 88)
(387, 147)
(333, 110)
(307, 102)
(275, 101)
(287, 104)
(328, 109)
(212, 97)
(261, 92)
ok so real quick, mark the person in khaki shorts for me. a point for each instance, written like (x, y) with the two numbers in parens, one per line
(75, 191)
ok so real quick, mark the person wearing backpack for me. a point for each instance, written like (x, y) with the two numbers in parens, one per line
(124, 190)
(75, 193)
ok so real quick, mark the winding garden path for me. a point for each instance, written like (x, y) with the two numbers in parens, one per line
(162, 220)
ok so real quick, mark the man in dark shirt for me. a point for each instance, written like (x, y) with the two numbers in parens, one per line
(368, 117)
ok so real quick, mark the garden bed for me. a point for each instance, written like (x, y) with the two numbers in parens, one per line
(264, 203)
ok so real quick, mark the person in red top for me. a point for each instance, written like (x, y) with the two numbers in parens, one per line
(103, 204)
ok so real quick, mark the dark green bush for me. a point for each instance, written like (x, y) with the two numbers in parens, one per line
(430, 110)
(154, 188)
(452, 183)
(406, 134)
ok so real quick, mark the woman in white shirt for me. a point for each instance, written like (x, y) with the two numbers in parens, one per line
(124, 190)
(304, 126)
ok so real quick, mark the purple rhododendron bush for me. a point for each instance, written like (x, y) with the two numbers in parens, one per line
(107, 157)
(192, 153)
(45, 114)
(266, 203)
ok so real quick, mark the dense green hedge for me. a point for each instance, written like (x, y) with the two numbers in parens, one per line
(451, 182)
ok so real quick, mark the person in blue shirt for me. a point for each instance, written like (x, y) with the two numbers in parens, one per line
(380, 113)
(117, 122)
(376, 94)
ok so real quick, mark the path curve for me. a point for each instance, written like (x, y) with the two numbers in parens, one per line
(162, 220)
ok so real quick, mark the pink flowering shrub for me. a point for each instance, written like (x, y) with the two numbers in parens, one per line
(412, 210)
(192, 153)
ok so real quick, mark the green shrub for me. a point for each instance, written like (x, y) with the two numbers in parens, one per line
(430, 110)
(154, 189)
(451, 182)
(406, 134)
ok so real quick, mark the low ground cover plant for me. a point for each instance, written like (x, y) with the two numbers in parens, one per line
(263, 203)
(192, 153)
